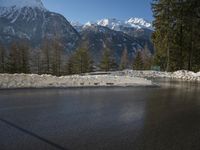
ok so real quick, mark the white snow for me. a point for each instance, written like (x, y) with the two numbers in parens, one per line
(116, 24)
(181, 74)
(113, 24)
(118, 78)
(40, 81)
(15, 17)
(9, 30)
(140, 22)
(12, 9)
(21, 3)
(75, 23)
(88, 24)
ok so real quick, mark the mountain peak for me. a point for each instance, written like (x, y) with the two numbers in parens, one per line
(107, 21)
(22, 3)
(75, 23)
(139, 22)
(116, 24)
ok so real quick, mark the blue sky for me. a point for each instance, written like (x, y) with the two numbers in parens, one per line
(92, 10)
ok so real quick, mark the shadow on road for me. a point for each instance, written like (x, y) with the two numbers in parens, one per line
(32, 134)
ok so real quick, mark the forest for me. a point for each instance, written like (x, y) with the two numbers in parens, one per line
(176, 37)
(176, 40)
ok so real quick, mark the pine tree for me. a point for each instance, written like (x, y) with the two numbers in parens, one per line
(146, 57)
(46, 56)
(56, 57)
(176, 34)
(70, 65)
(192, 21)
(80, 62)
(108, 61)
(2, 59)
(13, 59)
(124, 60)
(36, 61)
(23, 51)
(18, 58)
(138, 62)
(163, 32)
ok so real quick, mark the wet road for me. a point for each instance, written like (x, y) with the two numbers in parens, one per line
(158, 118)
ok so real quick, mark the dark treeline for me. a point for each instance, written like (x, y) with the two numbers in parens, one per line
(16, 59)
(21, 58)
(51, 58)
(177, 34)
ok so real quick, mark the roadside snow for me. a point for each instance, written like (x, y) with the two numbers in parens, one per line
(40, 81)
(96, 79)
(182, 74)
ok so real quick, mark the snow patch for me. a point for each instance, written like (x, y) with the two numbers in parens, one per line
(139, 23)
(21, 3)
(40, 81)
(181, 74)
(116, 24)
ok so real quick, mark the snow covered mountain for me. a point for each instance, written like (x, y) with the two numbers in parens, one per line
(115, 24)
(118, 25)
(30, 20)
(22, 3)
(138, 23)
(133, 34)
(97, 38)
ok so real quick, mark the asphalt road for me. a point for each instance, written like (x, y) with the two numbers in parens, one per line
(100, 119)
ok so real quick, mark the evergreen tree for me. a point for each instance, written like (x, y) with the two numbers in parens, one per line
(46, 56)
(23, 51)
(163, 32)
(56, 57)
(146, 58)
(36, 61)
(176, 34)
(13, 63)
(192, 21)
(18, 58)
(70, 65)
(80, 62)
(2, 59)
(124, 60)
(108, 62)
(105, 62)
(138, 62)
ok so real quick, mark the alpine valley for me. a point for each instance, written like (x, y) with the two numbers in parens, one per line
(29, 20)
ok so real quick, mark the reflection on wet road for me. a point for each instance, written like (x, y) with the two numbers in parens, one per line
(159, 118)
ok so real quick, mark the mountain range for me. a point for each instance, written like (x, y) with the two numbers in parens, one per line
(30, 20)
(115, 24)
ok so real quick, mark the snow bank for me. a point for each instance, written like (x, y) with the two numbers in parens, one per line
(118, 78)
(40, 81)
(182, 74)
(186, 75)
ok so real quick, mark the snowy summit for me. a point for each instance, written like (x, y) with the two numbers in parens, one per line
(116, 24)
(21, 3)
(113, 24)
(138, 22)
